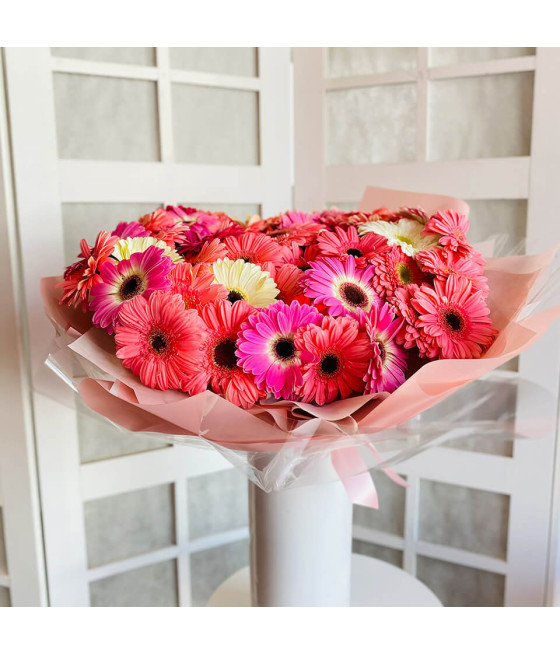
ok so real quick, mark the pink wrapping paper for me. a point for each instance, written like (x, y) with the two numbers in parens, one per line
(291, 432)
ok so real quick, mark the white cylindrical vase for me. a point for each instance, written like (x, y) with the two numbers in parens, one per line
(301, 545)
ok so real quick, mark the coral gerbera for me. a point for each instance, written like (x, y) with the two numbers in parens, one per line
(127, 247)
(245, 281)
(455, 317)
(405, 233)
(443, 263)
(219, 366)
(266, 347)
(142, 274)
(335, 355)
(386, 371)
(195, 285)
(340, 285)
(288, 280)
(451, 229)
(394, 269)
(342, 244)
(258, 249)
(159, 340)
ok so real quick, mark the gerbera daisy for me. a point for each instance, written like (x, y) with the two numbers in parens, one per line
(219, 366)
(141, 274)
(80, 278)
(208, 252)
(266, 347)
(195, 285)
(394, 269)
(258, 249)
(292, 218)
(159, 220)
(388, 363)
(455, 317)
(159, 340)
(443, 263)
(288, 280)
(343, 243)
(245, 281)
(132, 229)
(127, 247)
(340, 285)
(451, 229)
(335, 356)
(405, 233)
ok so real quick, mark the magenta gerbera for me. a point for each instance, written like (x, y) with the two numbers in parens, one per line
(220, 367)
(453, 228)
(340, 286)
(266, 347)
(159, 340)
(335, 356)
(386, 371)
(454, 317)
(142, 274)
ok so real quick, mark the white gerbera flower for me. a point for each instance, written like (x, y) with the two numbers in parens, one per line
(405, 233)
(245, 281)
(126, 247)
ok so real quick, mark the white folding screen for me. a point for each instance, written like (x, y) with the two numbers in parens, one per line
(480, 124)
(101, 135)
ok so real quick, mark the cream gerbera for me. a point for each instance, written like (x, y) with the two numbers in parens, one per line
(405, 233)
(126, 247)
(245, 281)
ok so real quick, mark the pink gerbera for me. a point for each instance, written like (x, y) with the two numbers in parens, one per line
(288, 280)
(142, 274)
(343, 243)
(394, 269)
(195, 285)
(132, 229)
(80, 278)
(454, 317)
(443, 263)
(159, 340)
(220, 367)
(335, 356)
(257, 249)
(387, 367)
(340, 285)
(453, 228)
(266, 347)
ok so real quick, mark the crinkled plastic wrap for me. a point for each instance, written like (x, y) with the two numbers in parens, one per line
(277, 443)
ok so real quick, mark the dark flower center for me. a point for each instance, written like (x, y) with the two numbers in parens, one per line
(454, 321)
(353, 295)
(284, 348)
(234, 296)
(131, 287)
(354, 252)
(159, 343)
(381, 350)
(329, 364)
(224, 354)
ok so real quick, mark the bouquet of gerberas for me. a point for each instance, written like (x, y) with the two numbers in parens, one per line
(303, 307)
(283, 340)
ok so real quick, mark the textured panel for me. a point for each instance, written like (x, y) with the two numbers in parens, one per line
(235, 210)
(371, 125)
(99, 439)
(229, 61)
(129, 524)
(3, 561)
(86, 220)
(464, 518)
(106, 118)
(444, 56)
(491, 217)
(390, 515)
(138, 56)
(215, 126)
(480, 117)
(461, 586)
(209, 568)
(150, 586)
(5, 597)
(342, 62)
(389, 555)
(217, 502)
